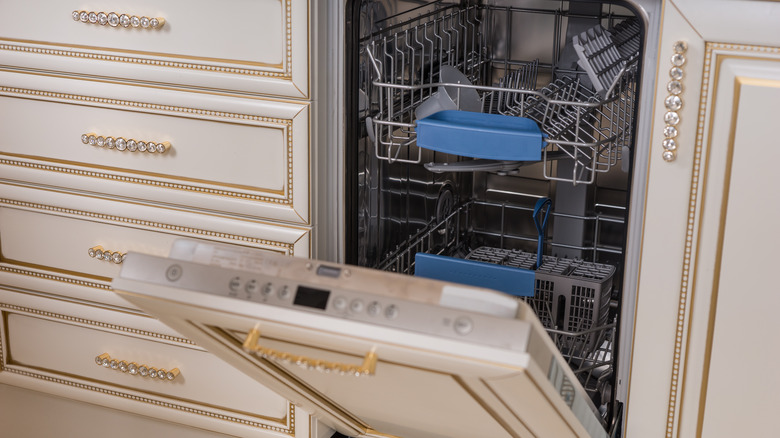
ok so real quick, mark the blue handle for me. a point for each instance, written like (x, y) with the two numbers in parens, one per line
(541, 214)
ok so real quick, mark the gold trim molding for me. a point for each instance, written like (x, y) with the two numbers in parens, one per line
(118, 55)
(145, 223)
(51, 277)
(91, 323)
(712, 60)
(289, 430)
(284, 124)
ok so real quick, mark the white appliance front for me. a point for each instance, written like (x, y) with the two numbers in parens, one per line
(369, 353)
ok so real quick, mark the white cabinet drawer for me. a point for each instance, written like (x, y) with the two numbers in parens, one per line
(258, 46)
(44, 234)
(54, 347)
(247, 156)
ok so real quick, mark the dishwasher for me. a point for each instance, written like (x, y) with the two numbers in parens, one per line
(493, 184)
(442, 195)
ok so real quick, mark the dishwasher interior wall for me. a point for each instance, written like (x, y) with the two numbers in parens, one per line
(519, 59)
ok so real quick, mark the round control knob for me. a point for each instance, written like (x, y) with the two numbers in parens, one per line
(252, 287)
(356, 306)
(391, 312)
(173, 272)
(463, 325)
(374, 308)
(285, 293)
(267, 289)
(235, 284)
(340, 303)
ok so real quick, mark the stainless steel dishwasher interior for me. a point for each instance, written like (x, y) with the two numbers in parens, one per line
(519, 58)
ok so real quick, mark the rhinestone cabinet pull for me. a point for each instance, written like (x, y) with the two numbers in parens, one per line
(367, 368)
(123, 144)
(97, 252)
(133, 368)
(113, 19)
(673, 101)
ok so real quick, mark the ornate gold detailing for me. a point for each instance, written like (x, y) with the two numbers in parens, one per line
(286, 248)
(113, 19)
(134, 369)
(122, 144)
(284, 124)
(367, 368)
(97, 252)
(288, 428)
(51, 277)
(673, 101)
(97, 324)
(714, 55)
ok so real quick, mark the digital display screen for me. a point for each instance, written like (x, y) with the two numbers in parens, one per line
(311, 297)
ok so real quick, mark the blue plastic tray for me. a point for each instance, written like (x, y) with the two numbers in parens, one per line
(480, 135)
(514, 281)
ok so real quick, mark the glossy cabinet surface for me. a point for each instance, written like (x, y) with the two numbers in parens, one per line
(118, 139)
(701, 357)
(256, 46)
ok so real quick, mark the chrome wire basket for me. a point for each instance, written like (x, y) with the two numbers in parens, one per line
(591, 129)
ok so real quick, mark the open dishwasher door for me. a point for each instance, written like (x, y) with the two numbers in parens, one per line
(369, 353)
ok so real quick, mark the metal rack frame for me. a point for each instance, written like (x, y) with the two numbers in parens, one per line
(579, 123)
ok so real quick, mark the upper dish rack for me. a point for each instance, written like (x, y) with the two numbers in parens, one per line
(592, 127)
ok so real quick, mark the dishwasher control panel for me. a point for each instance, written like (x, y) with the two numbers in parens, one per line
(276, 281)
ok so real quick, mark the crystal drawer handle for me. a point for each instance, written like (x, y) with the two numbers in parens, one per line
(367, 368)
(134, 369)
(97, 252)
(125, 144)
(114, 20)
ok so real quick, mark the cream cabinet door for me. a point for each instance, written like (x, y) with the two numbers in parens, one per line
(703, 361)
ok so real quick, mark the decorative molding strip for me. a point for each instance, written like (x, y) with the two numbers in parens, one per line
(285, 74)
(284, 124)
(145, 223)
(97, 324)
(686, 294)
(289, 430)
(51, 277)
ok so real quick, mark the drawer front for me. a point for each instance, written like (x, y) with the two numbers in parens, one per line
(236, 155)
(64, 351)
(44, 235)
(258, 46)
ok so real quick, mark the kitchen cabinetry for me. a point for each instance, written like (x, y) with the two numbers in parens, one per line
(702, 362)
(122, 131)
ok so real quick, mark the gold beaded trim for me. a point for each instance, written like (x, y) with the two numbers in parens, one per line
(138, 222)
(89, 322)
(285, 125)
(55, 278)
(285, 74)
(289, 430)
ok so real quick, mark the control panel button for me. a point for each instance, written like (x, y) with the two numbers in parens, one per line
(340, 303)
(374, 308)
(391, 312)
(173, 272)
(285, 293)
(235, 284)
(356, 305)
(252, 287)
(463, 325)
(268, 288)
